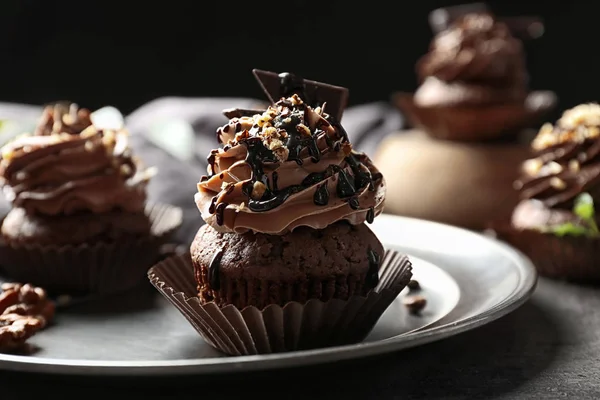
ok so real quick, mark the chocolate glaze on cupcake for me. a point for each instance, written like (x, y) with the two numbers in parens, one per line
(288, 167)
(286, 202)
(555, 222)
(79, 221)
(474, 83)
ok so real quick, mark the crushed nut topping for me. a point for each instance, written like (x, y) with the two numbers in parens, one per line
(273, 124)
(552, 168)
(62, 123)
(557, 183)
(583, 114)
(574, 166)
(258, 189)
(303, 129)
(24, 310)
(63, 118)
(282, 153)
(532, 166)
(576, 125)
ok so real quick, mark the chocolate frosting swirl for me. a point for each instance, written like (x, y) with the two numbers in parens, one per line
(476, 61)
(70, 165)
(567, 161)
(63, 118)
(475, 48)
(289, 166)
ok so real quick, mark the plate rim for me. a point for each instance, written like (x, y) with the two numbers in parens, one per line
(219, 365)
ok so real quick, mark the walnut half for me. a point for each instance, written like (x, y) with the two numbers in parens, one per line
(24, 310)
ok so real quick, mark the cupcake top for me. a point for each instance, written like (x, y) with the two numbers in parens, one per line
(565, 172)
(287, 166)
(567, 161)
(70, 165)
(478, 50)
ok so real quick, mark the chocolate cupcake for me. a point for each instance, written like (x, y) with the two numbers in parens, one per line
(79, 212)
(474, 83)
(286, 200)
(256, 269)
(555, 222)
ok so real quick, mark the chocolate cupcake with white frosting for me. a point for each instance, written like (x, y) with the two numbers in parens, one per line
(286, 203)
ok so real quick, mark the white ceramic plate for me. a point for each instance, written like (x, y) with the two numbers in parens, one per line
(468, 280)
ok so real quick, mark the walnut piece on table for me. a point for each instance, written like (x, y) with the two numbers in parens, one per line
(24, 310)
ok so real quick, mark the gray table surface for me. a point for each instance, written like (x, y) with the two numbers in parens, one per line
(547, 349)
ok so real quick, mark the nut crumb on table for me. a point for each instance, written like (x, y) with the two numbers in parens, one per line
(24, 310)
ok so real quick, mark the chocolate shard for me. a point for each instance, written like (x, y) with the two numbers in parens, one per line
(523, 27)
(241, 112)
(314, 93)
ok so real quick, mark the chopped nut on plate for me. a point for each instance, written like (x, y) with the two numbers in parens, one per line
(414, 285)
(415, 304)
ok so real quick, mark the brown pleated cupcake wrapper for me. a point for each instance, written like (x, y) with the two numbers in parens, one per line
(569, 258)
(242, 292)
(275, 329)
(100, 268)
(464, 123)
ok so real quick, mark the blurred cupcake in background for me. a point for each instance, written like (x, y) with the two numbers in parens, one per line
(467, 121)
(474, 83)
(555, 223)
(79, 220)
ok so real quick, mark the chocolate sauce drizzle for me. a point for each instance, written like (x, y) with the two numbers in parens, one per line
(213, 270)
(371, 215)
(290, 84)
(321, 197)
(220, 211)
(275, 179)
(349, 183)
(373, 273)
(353, 203)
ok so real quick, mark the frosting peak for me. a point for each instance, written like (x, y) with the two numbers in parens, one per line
(475, 48)
(71, 165)
(287, 166)
(567, 161)
(63, 118)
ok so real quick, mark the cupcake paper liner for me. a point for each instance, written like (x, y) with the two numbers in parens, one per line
(242, 292)
(275, 329)
(100, 268)
(463, 123)
(569, 258)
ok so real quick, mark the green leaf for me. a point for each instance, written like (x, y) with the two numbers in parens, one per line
(569, 229)
(584, 207)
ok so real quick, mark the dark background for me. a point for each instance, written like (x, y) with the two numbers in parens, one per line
(125, 53)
